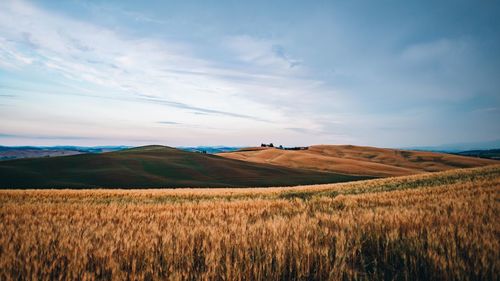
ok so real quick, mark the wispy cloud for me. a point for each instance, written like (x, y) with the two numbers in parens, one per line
(168, 123)
(28, 136)
(279, 51)
(200, 109)
(487, 109)
(262, 52)
(300, 130)
(137, 65)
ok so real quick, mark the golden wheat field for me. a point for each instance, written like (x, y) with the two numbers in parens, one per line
(441, 226)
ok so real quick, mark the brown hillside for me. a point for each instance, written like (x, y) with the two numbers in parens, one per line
(359, 160)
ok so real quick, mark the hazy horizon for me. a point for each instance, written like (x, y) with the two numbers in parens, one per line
(386, 74)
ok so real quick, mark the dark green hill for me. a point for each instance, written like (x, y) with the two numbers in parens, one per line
(152, 166)
(487, 153)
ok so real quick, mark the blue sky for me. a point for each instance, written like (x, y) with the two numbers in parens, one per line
(181, 73)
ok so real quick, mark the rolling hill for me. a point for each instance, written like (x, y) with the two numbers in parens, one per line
(153, 166)
(487, 153)
(358, 160)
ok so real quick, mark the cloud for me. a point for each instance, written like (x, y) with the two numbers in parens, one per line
(131, 69)
(262, 52)
(203, 110)
(266, 89)
(140, 17)
(81, 139)
(168, 123)
(279, 51)
(40, 137)
(438, 50)
(199, 113)
(300, 130)
(487, 109)
(106, 10)
(104, 58)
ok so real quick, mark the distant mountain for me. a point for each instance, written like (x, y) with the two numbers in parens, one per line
(459, 147)
(358, 160)
(19, 152)
(488, 153)
(153, 167)
(209, 149)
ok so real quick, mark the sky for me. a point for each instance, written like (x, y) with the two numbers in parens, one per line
(186, 73)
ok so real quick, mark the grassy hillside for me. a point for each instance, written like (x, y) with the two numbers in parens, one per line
(440, 226)
(359, 160)
(152, 166)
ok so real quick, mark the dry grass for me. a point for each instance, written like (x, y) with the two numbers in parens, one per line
(359, 160)
(443, 226)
